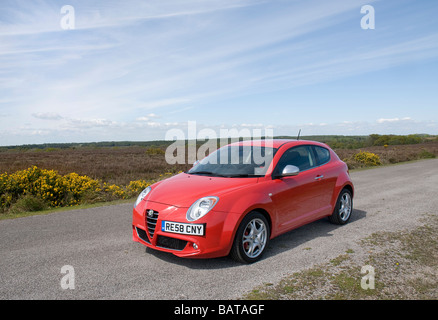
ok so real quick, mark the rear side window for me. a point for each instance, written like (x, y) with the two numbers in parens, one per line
(322, 155)
(301, 157)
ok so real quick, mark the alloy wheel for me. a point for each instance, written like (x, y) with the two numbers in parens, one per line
(254, 238)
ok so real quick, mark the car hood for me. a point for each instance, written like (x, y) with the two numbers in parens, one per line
(184, 189)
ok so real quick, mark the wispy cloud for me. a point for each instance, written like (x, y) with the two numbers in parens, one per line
(148, 117)
(393, 120)
(36, 17)
(195, 59)
(47, 116)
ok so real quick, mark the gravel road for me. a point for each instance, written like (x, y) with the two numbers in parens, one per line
(97, 243)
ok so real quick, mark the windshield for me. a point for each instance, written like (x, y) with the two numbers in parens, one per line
(236, 161)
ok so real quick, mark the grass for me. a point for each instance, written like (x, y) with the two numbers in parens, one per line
(114, 165)
(28, 203)
(27, 213)
(390, 154)
(405, 264)
(119, 165)
(28, 206)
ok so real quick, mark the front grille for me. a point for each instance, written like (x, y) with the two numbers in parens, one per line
(170, 243)
(151, 222)
(142, 234)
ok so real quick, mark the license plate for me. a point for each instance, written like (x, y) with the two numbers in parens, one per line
(183, 228)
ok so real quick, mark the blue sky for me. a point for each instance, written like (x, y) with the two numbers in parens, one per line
(132, 70)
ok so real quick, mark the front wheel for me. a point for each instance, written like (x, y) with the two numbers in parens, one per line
(343, 209)
(251, 239)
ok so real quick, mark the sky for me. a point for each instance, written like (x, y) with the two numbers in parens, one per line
(133, 70)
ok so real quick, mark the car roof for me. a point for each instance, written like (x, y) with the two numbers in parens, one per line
(276, 143)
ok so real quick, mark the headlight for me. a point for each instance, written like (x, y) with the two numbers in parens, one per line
(142, 195)
(201, 207)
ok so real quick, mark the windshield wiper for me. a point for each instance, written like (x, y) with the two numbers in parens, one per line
(201, 172)
(238, 175)
(209, 173)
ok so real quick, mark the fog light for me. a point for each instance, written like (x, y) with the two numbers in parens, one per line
(195, 246)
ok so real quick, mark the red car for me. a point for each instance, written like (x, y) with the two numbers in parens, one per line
(241, 196)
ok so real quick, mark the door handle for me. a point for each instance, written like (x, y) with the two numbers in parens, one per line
(319, 177)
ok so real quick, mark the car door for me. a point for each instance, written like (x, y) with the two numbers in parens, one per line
(327, 174)
(297, 199)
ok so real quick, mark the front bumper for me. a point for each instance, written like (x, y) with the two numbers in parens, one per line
(217, 241)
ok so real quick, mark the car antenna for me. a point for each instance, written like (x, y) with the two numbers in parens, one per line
(298, 137)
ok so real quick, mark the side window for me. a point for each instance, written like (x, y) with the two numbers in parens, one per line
(301, 157)
(322, 155)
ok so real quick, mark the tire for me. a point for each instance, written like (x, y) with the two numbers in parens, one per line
(343, 209)
(252, 238)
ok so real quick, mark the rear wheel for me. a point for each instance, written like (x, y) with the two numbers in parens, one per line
(343, 209)
(251, 239)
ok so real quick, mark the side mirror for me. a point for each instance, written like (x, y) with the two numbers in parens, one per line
(289, 171)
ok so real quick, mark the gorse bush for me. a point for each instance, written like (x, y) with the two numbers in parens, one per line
(47, 185)
(367, 158)
(35, 189)
(155, 151)
(137, 186)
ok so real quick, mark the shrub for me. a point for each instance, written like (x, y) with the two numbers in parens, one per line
(137, 186)
(34, 189)
(28, 203)
(154, 151)
(424, 154)
(116, 191)
(367, 158)
(381, 140)
(5, 201)
(77, 187)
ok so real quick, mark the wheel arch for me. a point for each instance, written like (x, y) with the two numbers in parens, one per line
(349, 188)
(258, 209)
(265, 214)
(237, 250)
